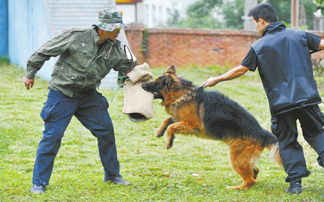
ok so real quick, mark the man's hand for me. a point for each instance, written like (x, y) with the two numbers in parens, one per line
(321, 46)
(211, 81)
(29, 83)
(231, 74)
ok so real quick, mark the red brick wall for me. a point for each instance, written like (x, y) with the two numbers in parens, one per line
(186, 47)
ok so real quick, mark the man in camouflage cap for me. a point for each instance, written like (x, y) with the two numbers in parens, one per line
(85, 57)
(110, 19)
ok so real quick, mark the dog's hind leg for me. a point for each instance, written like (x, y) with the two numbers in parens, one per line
(258, 149)
(243, 155)
(256, 171)
(182, 127)
(164, 125)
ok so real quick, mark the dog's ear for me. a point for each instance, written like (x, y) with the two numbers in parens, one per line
(171, 70)
(167, 82)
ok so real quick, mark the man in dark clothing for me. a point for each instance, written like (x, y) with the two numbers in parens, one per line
(85, 57)
(284, 64)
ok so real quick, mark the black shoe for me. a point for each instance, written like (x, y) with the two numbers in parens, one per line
(308, 173)
(118, 180)
(295, 188)
(37, 189)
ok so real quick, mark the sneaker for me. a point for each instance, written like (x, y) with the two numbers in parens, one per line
(37, 189)
(118, 180)
(295, 188)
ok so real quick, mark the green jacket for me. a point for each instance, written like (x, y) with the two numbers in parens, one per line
(82, 63)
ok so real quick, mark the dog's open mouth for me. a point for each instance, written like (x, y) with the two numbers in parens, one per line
(157, 95)
(149, 88)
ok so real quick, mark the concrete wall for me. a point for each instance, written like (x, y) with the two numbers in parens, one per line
(28, 30)
(33, 22)
(128, 11)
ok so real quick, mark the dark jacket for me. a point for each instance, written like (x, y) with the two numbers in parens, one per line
(285, 68)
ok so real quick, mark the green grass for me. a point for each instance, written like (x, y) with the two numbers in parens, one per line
(193, 170)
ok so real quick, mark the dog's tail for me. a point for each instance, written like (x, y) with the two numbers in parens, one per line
(274, 153)
(268, 137)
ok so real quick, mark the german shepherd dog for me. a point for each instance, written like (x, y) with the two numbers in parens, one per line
(209, 114)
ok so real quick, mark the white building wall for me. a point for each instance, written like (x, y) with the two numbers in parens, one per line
(153, 13)
(65, 14)
(128, 12)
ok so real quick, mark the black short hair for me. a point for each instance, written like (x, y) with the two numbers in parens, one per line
(265, 11)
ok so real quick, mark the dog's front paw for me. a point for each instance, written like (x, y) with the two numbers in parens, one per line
(169, 142)
(169, 145)
(159, 132)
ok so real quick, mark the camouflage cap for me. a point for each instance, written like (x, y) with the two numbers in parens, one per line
(110, 19)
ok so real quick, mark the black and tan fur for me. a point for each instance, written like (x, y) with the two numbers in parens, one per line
(209, 114)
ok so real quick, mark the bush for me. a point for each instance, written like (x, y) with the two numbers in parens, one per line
(4, 61)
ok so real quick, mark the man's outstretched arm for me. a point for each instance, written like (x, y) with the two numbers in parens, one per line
(231, 74)
(51, 48)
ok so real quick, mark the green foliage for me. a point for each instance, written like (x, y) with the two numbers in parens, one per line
(144, 44)
(200, 23)
(318, 67)
(213, 14)
(4, 61)
(202, 8)
(193, 170)
(319, 5)
(206, 13)
(319, 2)
(310, 8)
(233, 12)
(283, 8)
(202, 14)
(175, 17)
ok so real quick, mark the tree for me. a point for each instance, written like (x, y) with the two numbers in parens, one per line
(282, 6)
(202, 8)
(205, 13)
(233, 12)
(212, 14)
(200, 15)
(319, 5)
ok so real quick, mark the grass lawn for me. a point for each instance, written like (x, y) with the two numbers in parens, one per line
(193, 170)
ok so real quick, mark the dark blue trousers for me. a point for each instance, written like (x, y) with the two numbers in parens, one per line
(284, 126)
(90, 108)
